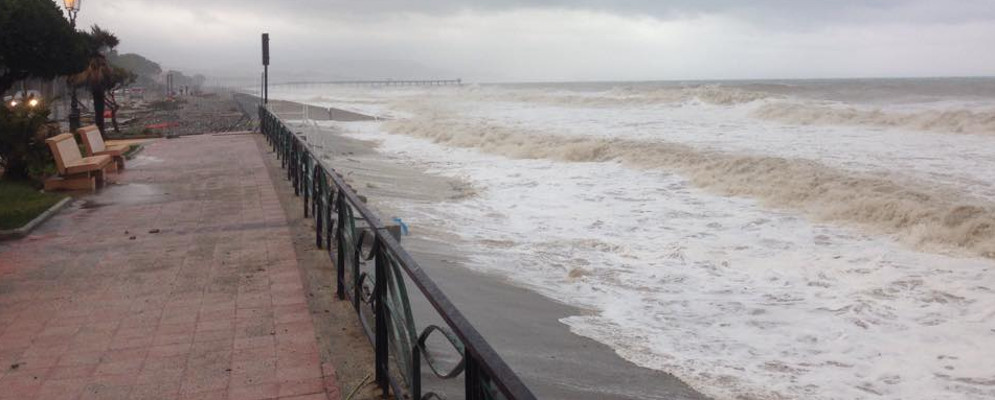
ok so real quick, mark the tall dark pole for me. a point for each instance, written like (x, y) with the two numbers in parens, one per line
(74, 103)
(265, 92)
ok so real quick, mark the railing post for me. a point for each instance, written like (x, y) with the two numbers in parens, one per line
(319, 198)
(340, 249)
(471, 379)
(329, 207)
(290, 157)
(285, 146)
(298, 163)
(317, 188)
(416, 372)
(380, 310)
(282, 140)
(330, 195)
(308, 174)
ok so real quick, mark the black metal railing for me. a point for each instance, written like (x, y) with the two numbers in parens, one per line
(357, 238)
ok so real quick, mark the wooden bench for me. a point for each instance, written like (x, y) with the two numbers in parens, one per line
(76, 172)
(94, 145)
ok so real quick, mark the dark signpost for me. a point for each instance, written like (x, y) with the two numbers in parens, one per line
(265, 92)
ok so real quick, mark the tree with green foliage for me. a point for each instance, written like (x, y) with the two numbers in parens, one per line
(24, 155)
(36, 42)
(120, 78)
(98, 75)
(141, 66)
(147, 71)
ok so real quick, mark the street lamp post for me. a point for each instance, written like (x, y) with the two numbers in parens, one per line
(265, 89)
(72, 7)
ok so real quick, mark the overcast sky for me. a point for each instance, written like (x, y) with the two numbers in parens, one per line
(557, 40)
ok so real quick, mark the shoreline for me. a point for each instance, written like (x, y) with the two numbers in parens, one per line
(555, 362)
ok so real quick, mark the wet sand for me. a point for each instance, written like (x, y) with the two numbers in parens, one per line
(522, 325)
(294, 110)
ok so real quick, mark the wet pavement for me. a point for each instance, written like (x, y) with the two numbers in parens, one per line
(180, 281)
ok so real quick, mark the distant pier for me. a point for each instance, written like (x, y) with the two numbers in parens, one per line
(377, 83)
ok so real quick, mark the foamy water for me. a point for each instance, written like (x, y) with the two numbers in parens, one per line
(751, 255)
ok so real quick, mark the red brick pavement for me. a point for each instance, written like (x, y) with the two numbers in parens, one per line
(97, 305)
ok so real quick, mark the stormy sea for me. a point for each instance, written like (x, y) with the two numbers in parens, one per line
(824, 239)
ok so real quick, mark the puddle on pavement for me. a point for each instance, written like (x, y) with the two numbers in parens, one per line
(140, 160)
(90, 204)
(127, 193)
(131, 193)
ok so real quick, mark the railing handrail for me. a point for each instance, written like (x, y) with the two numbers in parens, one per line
(384, 82)
(474, 343)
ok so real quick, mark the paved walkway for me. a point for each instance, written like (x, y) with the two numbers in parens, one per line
(180, 282)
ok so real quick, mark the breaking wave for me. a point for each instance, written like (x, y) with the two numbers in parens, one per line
(951, 121)
(623, 96)
(929, 218)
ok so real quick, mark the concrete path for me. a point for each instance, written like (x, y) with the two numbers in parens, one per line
(179, 282)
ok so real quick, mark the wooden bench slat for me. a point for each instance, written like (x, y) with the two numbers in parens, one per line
(89, 164)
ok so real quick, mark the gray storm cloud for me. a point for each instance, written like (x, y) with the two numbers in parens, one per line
(561, 40)
(815, 12)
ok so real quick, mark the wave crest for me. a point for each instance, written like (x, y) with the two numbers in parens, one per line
(951, 121)
(926, 217)
(624, 96)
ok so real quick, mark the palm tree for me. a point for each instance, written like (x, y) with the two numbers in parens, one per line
(98, 76)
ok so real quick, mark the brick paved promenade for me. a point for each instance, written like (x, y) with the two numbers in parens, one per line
(180, 282)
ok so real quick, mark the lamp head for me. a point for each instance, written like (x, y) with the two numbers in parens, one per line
(72, 5)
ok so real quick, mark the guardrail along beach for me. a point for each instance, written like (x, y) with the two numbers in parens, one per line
(372, 269)
(375, 83)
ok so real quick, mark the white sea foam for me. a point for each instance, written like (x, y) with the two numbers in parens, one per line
(738, 301)
(924, 216)
(579, 200)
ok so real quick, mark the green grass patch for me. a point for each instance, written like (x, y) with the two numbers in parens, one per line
(132, 150)
(20, 203)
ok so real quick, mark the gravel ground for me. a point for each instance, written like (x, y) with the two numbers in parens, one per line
(192, 115)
